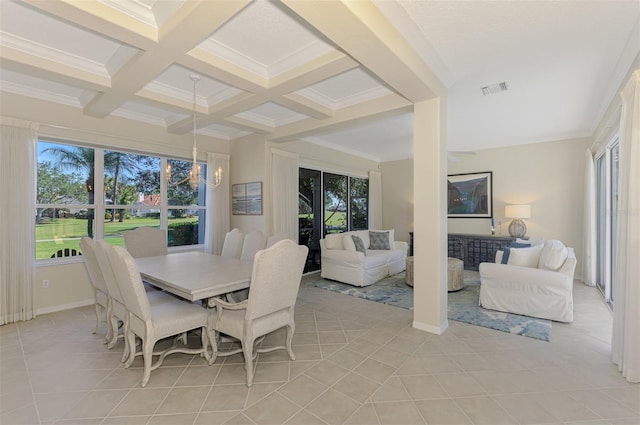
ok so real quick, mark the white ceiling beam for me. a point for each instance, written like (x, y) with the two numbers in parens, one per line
(385, 106)
(193, 22)
(360, 29)
(247, 125)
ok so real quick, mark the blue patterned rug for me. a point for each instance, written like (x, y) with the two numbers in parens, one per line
(463, 304)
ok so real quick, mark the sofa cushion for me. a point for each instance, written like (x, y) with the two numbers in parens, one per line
(379, 240)
(553, 255)
(507, 250)
(357, 241)
(333, 241)
(347, 243)
(525, 257)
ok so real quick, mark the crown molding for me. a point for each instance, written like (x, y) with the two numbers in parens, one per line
(364, 96)
(35, 93)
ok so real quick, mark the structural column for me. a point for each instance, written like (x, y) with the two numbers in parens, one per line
(429, 216)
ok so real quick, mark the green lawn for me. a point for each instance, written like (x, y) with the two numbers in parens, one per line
(66, 232)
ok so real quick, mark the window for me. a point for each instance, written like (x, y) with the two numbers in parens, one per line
(128, 193)
(329, 203)
(606, 218)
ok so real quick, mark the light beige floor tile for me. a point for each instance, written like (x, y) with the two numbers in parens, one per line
(564, 407)
(421, 387)
(64, 381)
(442, 412)
(305, 338)
(307, 352)
(600, 403)
(333, 407)
(392, 390)
(390, 356)
(346, 358)
(525, 409)
(303, 417)
(485, 411)
(25, 415)
(239, 419)
(404, 345)
(398, 413)
(84, 421)
(183, 400)
(120, 379)
(164, 376)
(140, 401)
(53, 406)
(357, 387)
(299, 367)
(126, 420)
(181, 418)
(96, 404)
(364, 347)
(459, 384)
(378, 336)
(198, 375)
(375, 370)
(302, 390)
(329, 349)
(231, 374)
(629, 396)
(15, 399)
(271, 372)
(226, 397)
(259, 391)
(328, 325)
(274, 409)
(365, 415)
(326, 372)
(332, 337)
(214, 418)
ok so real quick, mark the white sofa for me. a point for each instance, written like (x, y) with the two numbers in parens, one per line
(536, 282)
(341, 261)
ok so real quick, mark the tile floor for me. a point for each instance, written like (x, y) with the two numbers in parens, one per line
(358, 362)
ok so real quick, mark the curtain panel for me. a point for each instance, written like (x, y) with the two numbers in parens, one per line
(284, 190)
(375, 200)
(17, 240)
(218, 219)
(625, 344)
(589, 230)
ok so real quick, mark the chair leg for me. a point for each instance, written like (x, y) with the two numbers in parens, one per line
(290, 329)
(213, 339)
(247, 350)
(97, 307)
(204, 338)
(130, 349)
(147, 355)
(113, 331)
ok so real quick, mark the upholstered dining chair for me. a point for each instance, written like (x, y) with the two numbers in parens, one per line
(232, 245)
(146, 242)
(253, 242)
(271, 240)
(274, 289)
(103, 301)
(152, 323)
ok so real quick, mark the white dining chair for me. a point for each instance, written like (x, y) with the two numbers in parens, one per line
(146, 242)
(271, 240)
(103, 301)
(253, 242)
(274, 289)
(152, 323)
(118, 309)
(232, 245)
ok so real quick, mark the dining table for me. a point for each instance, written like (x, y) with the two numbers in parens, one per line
(196, 275)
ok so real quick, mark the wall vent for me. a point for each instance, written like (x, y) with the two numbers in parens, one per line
(494, 88)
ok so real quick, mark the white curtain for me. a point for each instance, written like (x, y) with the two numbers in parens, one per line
(375, 200)
(589, 230)
(284, 193)
(17, 215)
(625, 345)
(218, 219)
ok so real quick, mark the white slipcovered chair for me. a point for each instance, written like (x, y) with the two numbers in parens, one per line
(152, 323)
(271, 240)
(232, 245)
(536, 281)
(274, 289)
(103, 301)
(146, 242)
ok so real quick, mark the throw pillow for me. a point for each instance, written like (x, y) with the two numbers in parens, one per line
(525, 257)
(357, 241)
(348, 243)
(553, 255)
(379, 240)
(333, 241)
(507, 251)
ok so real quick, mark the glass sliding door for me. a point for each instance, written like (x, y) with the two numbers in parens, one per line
(310, 215)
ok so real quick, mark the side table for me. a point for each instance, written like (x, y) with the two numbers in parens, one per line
(455, 274)
(409, 273)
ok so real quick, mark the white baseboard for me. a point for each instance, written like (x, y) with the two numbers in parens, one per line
(62, 307)
(430, 328)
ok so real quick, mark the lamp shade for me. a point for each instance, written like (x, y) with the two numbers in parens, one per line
(517, 211)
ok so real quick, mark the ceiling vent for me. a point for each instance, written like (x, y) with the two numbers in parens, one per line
(494, 88)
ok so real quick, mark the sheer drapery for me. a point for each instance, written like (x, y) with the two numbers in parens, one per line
(375, 200)
(17, 247)
(218, 220)
(284, 191)
(625, 345)
(589, 230)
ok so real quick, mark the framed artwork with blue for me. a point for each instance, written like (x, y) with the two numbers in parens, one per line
(470, 195)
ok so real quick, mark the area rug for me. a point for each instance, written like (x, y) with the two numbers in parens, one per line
(463, 304)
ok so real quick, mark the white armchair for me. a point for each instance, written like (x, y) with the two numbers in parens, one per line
(544, 290)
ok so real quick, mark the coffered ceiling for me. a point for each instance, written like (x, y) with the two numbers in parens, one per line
(340, 74)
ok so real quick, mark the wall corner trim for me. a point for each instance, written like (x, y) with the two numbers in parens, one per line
(62, 307)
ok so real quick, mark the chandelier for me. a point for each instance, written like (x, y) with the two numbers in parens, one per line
(194, 178)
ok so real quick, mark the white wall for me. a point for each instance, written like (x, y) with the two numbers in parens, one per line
(397, 195)
(548, 176)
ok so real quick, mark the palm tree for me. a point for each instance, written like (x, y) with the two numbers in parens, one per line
(75, 158)
(118, 163)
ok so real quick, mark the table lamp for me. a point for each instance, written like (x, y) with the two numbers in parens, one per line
(517, 228)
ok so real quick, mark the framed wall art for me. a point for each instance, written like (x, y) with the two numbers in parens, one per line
(246, 198)
(470, 195)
